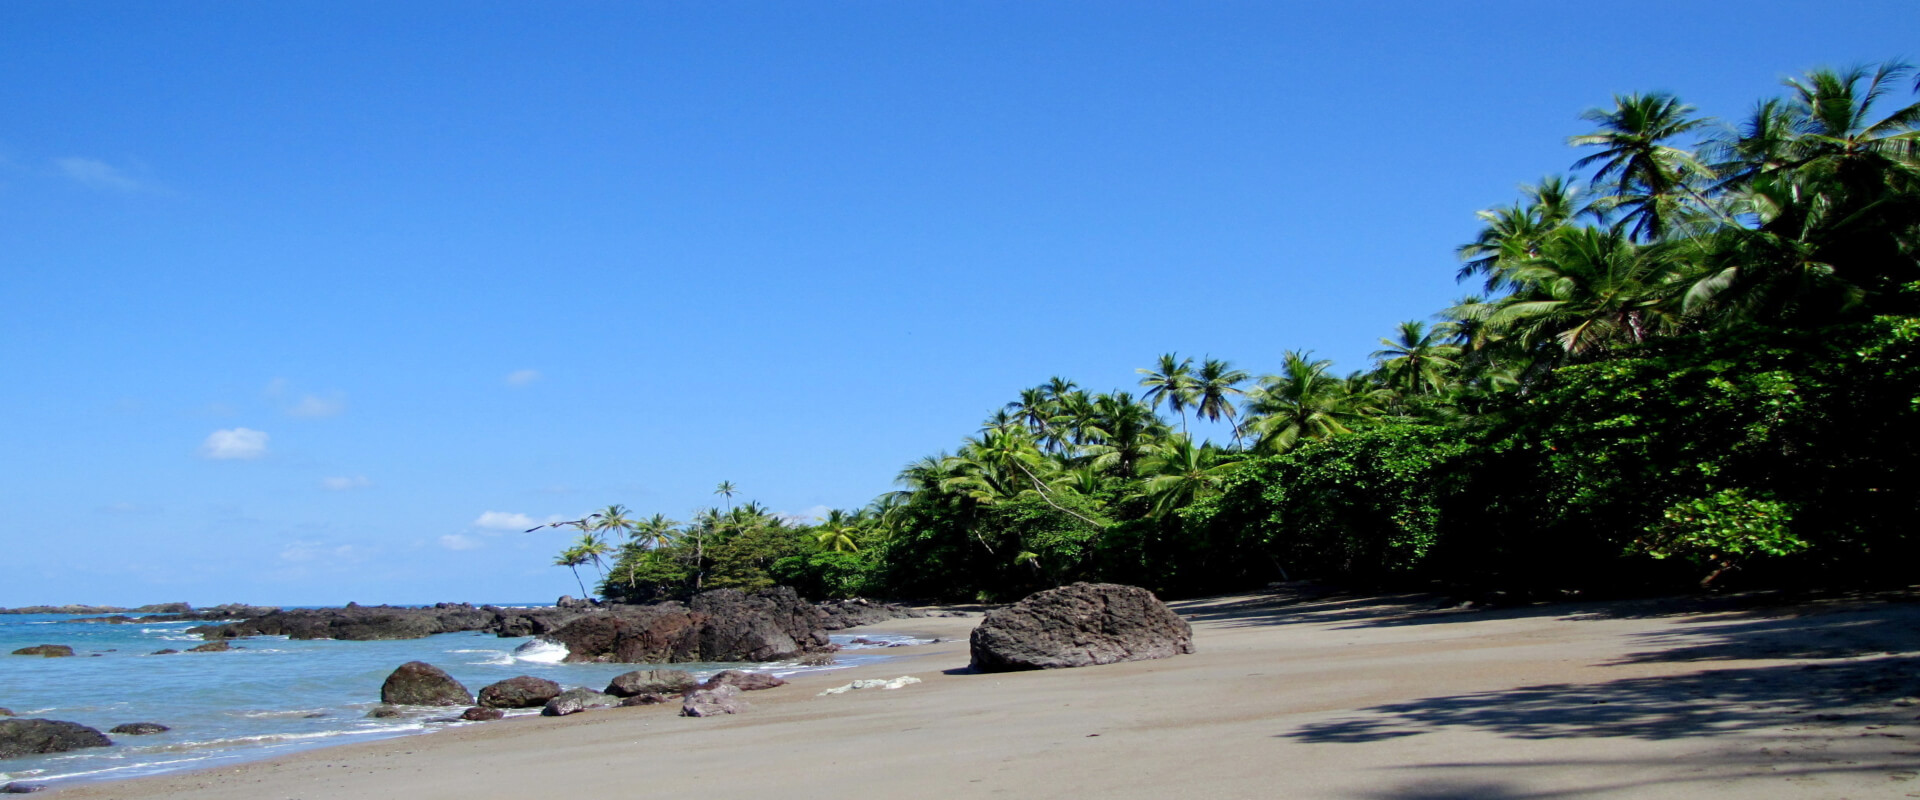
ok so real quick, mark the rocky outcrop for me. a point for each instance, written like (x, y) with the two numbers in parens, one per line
(842, 614)
(418, 683)
(524, 691)
(744, 681)
(6, 712)
(713, 702)
(47, 650)
(574, 701)
(28, 737)
(210, 647)
(652, 681)
(1079, 625)
(482, 714)
(356, 623)
(722, 625)
(661, 634)
(139, 728)
(165, 651)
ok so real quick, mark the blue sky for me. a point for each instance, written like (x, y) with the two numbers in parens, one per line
(317, 302)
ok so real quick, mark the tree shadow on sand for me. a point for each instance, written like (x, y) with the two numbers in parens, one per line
(1707, 703)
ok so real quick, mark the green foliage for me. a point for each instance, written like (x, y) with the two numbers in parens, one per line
(1720, 529)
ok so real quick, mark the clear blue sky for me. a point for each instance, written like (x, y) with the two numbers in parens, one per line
(310, 302)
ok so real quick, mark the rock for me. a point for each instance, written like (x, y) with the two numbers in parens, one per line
(165, 652)
(96, 610)
(567, 601)
(26, 737)
(524, 691)
(210, 647)
(48, 650)
(1079, 625)
(839, 614)
(652, 681)
(872, 683)
(17, 787)
(574, 701)
(635, 634)
(6, 712)
(746, 681)
(383, 712)
(481, 713)
(766, 625)
(818, 660)
(418, 683)
(643, 700)
(355, 623)
(164, 608)
(140, 728)
(722, 699)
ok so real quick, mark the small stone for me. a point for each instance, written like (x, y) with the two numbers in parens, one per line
(722, 699)
(482, 714)
(383, 712)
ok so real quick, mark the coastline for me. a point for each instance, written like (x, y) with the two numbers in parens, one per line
(1336, 697)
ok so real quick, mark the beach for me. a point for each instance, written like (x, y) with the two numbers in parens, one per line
(1289, 694)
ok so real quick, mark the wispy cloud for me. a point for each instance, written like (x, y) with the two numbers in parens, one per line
(234, 443)
(522, 377)
(504, 521)
(454, 541)
(345, 483)
(314, 406)
(96, 174)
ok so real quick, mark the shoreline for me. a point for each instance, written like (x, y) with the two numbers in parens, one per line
(1339, 696)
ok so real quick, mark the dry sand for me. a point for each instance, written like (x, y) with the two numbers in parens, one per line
(1290, 695)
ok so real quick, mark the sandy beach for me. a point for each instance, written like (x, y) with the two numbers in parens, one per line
(1294, 694)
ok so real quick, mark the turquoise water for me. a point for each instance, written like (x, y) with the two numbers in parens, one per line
(267, 696)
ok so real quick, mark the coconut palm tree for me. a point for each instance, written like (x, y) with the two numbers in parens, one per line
(613, 520)
(1171, 383)
(1647, 178)
(838, 531)
(572, 558)
(1215, 384)
(1589, 289)
(1303, 401)
(1179, 472)
(653, 532)
(726, 488)
(1420, 360)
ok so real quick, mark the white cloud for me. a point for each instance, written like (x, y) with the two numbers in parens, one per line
(314, 406)
(522, 377)
(97, 174)
(345, 483)
(454, 541)
(234, 443)
(504, 521)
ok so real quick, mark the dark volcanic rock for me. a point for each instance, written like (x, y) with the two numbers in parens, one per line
(652, 681)
(524, 691)
(713, 702)
(643, 700)
(139, 728)
(745, 681)
(164, 608)
(6, 712)
(210, 647)
(574, 701)
(17, 787)
(26, 737)
(163, 652)
(356, 623)
(766, 625)
(418, 683)
(1077, 626)
(383, 712)
(48, 650)
(633, 634)
(841, 614)
(481, 714)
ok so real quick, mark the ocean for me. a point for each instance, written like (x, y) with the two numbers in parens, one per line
(267, 696)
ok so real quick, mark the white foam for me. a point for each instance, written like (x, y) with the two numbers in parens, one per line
(542, 651)
(872, 683)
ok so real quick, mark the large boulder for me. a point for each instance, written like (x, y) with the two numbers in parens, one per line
(713, 702)
(765, 625)
(418, 683)
(574, 701)
(1077, 626)
(652, 681)
(524, 691)
(632, 634)
(744, 681)
(27, 737)
(48, 650)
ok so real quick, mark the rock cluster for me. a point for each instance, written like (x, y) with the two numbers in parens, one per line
(1079, 625)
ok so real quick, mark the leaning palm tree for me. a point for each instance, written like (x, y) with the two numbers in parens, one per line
(572, 558)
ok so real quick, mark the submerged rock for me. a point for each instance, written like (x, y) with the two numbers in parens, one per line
(524, 691)
(418, 683)
(652, 681)
(48, 650)
(1077, 626)
(482, 714)
(27, 737)
(383, 712)
(713, 702)
(574, 701)
(139, 728)
(210, 647)
(164, 652)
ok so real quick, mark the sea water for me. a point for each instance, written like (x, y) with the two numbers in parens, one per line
(267, 696)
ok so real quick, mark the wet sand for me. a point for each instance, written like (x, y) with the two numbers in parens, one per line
(1295, 694)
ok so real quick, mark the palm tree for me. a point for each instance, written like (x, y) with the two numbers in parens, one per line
(1302, 402)
(1590, 289)
(653, 532)
(1214, 385)
(1419, 361)
(1648, 178)
(1513, 233)
(1172, 384)
(613, 520)
(1178, 473)
(837, 532)
(726, 488)
(572, 558)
